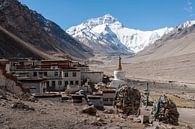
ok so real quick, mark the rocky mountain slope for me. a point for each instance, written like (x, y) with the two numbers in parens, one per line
(180, 41)
(39, 32)
(108, 34)
(170, 59)
(12, 46)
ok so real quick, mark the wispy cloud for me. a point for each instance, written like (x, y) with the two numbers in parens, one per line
(189, 8)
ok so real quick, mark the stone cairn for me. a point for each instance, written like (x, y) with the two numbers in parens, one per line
(168, 113)
(127, 100)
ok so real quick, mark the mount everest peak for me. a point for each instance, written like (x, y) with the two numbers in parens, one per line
(109, 36)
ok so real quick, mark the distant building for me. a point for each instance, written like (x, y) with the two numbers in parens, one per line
(94, 77)
(108, 96)
(50, 75)
(34, 85)
(57, 74)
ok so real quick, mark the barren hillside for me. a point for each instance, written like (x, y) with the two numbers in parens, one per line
(38, 31)
(170, 59)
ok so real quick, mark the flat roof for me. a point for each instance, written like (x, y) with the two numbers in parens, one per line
(31, 79)
(46, 70)
(92, 72)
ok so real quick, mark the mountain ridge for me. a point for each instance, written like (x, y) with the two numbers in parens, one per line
(126, 40)
(40, 32)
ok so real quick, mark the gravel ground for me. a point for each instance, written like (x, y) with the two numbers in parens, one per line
(54, 114)
(57, 115)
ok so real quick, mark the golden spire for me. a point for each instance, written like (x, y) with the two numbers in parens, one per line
(119, 63)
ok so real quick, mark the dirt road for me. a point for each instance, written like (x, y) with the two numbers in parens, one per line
(187, 116)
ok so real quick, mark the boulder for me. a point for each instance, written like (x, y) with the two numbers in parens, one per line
(127, 100)
(91, 110)
(20, 105)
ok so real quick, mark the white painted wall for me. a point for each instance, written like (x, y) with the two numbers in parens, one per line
(94, 77)
(51, 77)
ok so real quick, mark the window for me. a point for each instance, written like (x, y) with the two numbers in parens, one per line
(66, 83)
(60, 83)
(66, 74)
(105, 99)
(111, 99)
(45, 74)
(76, 82)
(55, 74)
(71, 82)
(40, 73)
(53, 83)
(34, 74)
(47, 83)
(74, 74)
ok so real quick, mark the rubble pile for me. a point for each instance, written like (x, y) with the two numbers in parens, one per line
(99, 122)
(168, 113)
(20, 105)
(127, 100)
(91, 110)
(28, 97)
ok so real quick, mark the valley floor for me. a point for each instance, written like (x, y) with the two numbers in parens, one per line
(178, 69)
(53, 114)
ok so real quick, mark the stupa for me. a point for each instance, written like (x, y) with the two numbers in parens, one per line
(119, 76)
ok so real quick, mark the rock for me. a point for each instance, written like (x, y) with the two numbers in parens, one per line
(136, 120)
(20, 105)
(43, 112)
(114, 127)
(91, 110)
(96, 123)
(144, 119)
(65, 97)
(109, 111)
(3, 97)
(168, 113)
(171, 127)
(131, 117)
(28, 97)
(188, 127)
(99, 122)
(127, 100)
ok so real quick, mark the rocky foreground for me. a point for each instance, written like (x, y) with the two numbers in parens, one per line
(54, 114)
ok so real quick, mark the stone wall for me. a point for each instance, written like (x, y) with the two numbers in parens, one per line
(10, 83)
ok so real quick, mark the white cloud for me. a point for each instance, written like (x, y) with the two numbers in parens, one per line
(189, 8)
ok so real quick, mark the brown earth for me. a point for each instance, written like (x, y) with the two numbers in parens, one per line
(53, 114)
(57, 115)
(37, 32)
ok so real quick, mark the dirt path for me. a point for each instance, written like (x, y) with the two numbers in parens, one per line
(187, 116)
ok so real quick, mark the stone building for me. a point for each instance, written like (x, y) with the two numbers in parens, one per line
(57, 74)
(94, 77)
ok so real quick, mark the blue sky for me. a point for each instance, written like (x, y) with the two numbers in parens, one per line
(137, 14)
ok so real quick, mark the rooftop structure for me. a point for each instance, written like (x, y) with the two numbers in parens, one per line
(119, 76)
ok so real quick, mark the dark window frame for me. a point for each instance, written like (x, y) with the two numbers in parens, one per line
(65, 83)
(65, 74)
(76, 82)
(74, 74)
(56, 73)
(59, 83)
(71, 82)
(34, 74)
(45, 74)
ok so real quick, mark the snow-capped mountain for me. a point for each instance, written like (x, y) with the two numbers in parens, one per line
(186, 24)
(106, 34)
(180, 43)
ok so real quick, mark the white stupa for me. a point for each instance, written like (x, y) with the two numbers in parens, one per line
(119, 77)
